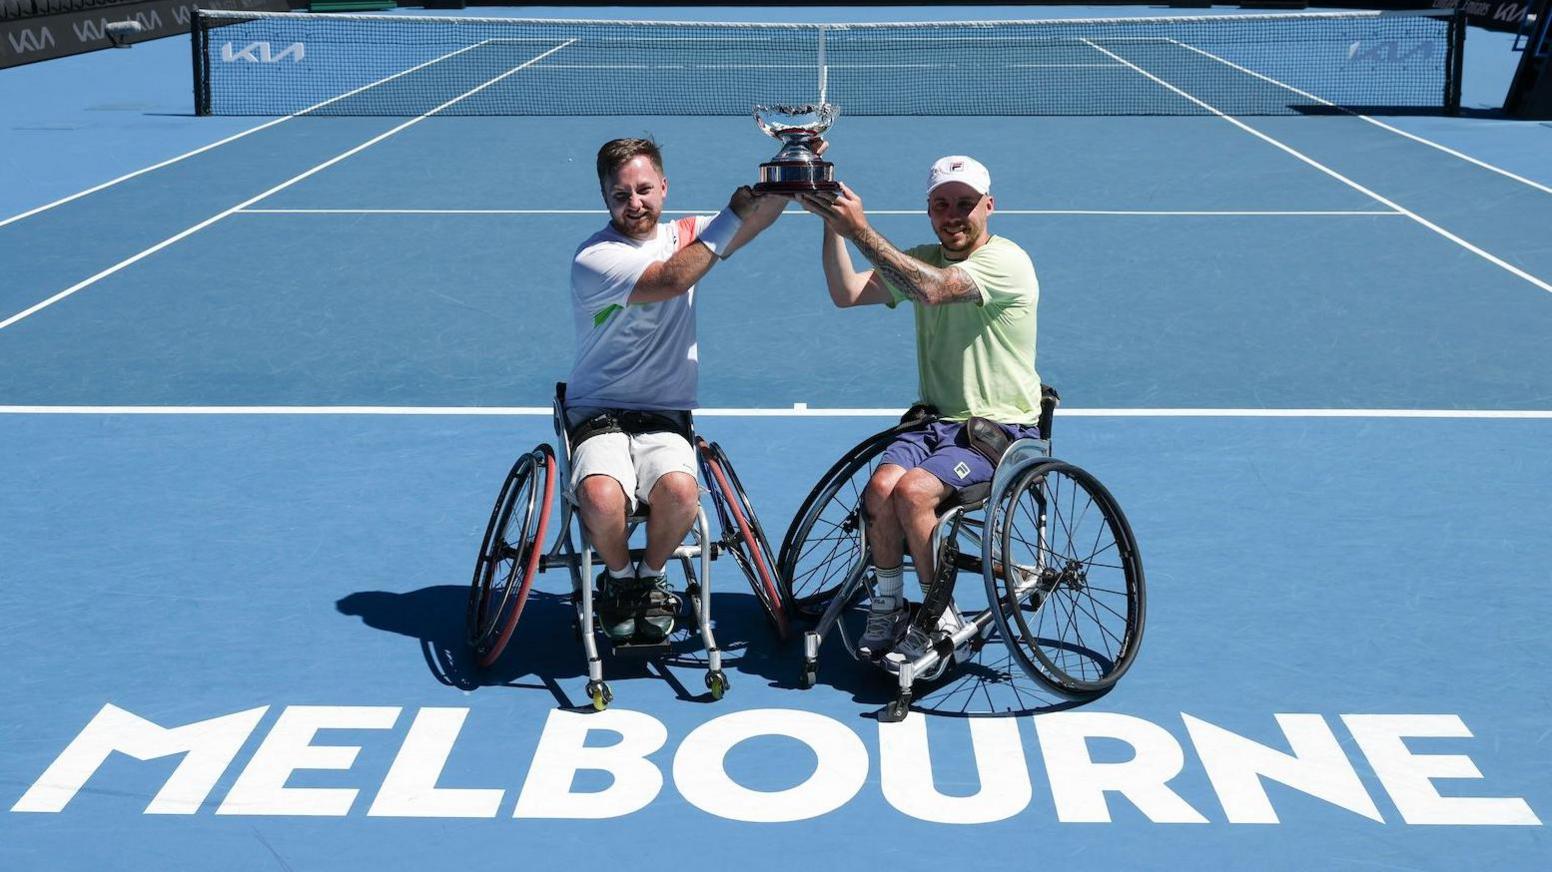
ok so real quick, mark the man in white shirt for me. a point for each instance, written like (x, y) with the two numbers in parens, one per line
(633, 384)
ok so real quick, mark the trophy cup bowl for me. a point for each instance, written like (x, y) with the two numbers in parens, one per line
(796, 169)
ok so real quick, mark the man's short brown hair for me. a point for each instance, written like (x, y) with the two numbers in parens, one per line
(617, 153)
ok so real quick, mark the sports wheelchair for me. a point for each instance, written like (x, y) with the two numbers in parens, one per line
(511, 553)
(1063, 576)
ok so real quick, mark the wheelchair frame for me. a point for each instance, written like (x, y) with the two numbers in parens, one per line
(580, 562)
(572, 551)
(1024, 459)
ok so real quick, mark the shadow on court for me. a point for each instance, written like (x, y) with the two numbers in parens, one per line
(545, 653)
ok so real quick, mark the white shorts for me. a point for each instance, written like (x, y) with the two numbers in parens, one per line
(636, 462)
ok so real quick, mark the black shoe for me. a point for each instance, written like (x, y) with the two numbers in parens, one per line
(615, 606)
(655, 610)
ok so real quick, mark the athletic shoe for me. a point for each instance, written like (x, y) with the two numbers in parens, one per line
(656, 607)
(615, 606)
(887, 619)
(912, 647)
(915, 644)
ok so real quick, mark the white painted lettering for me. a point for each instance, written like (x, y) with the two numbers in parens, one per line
(261, 788)
(1078, 784)
(1408, 777)
(700, 775)
(562, 752)
(1317, 766)
(410, 788)
(208, 748)
(905, 772)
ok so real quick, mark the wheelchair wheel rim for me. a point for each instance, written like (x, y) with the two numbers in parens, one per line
(1071, 607)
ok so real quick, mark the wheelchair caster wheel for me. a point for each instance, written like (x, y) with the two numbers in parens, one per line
(600, 694)
(896, 711)
(717, 683)
(809, 676)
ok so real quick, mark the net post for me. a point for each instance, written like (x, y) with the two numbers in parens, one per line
(197, 42)
(1455, 60)
(824, 66)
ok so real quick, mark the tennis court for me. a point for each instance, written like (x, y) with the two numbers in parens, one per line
(256, 403)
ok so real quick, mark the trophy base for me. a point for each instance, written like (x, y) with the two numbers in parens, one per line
(797, 177)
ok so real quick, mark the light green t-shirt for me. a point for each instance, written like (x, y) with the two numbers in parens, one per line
(979, 358)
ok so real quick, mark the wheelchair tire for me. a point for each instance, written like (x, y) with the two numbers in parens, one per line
(1062, 567)
(824, 541)
(741, 535)
(509, 554)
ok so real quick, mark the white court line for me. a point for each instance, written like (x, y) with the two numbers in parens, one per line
(799, 410)
(1376, 122)
(280, 187)
(204, 148)
(1231, 213)
(1488, 256)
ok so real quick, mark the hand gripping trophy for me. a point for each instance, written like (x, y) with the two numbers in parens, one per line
(796, 169)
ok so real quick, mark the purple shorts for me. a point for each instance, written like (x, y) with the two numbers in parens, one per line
(942, 449)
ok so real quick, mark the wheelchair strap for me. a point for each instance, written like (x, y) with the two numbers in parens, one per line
(634, 422)
(920, 415)
(987, 438)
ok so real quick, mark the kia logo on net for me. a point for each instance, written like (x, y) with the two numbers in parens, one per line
(262, 53)
(29, 40)
(1389, 51)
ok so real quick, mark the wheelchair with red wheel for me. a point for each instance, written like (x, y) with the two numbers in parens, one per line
(512, 553)
(1062, 572)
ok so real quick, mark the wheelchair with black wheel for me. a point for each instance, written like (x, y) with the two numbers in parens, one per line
(512, 553)
(1061, 568)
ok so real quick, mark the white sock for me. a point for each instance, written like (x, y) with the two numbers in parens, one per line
(645, 571)
(620, 574)
(890, 582)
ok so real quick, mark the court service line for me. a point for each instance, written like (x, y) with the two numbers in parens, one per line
(135, 258)
(1375, 121)
(236, 136)
(1486, 255)
(797, 410)
(1140, 212)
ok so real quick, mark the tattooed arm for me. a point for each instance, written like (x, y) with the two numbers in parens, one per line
(919, 281)
(923, 283)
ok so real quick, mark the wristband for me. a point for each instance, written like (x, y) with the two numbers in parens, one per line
(720, 231)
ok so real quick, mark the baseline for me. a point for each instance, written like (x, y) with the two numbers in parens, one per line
(1233, 213)
(797, 410)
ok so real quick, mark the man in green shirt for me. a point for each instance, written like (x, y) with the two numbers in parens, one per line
(974, 296)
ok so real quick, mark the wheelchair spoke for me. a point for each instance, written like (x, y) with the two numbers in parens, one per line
(1075, 613)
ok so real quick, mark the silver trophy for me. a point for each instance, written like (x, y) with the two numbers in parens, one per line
(796, 169)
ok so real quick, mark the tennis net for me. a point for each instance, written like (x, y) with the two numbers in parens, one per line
(288, 63)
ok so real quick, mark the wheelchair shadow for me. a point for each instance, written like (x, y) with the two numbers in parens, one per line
(545, 651)
(989, 684)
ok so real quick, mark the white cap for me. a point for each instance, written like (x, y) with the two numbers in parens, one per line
(958, 168)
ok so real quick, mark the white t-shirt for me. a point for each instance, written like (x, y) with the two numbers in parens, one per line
(632, 356)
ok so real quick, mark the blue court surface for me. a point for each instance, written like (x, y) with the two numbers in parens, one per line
(255, 404)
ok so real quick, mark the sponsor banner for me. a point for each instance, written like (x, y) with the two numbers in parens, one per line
(1493, 14)
(39, 38)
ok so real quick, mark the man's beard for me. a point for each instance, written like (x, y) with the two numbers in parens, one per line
(638, 224)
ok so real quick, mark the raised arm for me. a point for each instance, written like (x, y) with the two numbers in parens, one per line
(844, 217)
(667, 279)
(847, 286)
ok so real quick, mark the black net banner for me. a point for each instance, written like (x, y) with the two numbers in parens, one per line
(282, 64)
